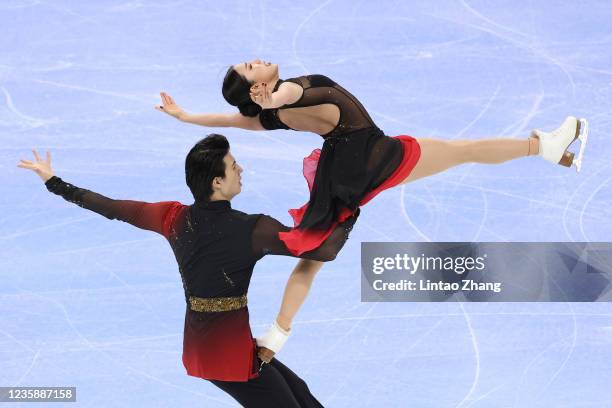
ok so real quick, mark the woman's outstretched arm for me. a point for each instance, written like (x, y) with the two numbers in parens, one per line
(265, 240)
(296, 290)
(235, 120)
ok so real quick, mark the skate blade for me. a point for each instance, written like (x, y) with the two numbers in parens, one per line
(584, 134)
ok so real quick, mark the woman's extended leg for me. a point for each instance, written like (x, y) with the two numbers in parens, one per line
(438, 155)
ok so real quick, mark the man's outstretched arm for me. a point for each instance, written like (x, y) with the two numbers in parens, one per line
(149, 216)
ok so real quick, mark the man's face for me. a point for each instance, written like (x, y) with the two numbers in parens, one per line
(230, 185)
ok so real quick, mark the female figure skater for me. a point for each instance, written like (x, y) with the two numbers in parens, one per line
(216, 248)
(357, 160)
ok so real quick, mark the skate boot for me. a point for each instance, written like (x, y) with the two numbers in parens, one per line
(554, 145)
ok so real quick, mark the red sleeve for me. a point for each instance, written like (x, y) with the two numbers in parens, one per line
(158, 217)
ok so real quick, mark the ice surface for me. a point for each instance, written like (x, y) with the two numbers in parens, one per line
(96, 304)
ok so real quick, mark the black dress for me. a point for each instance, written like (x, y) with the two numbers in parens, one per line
(355, 159)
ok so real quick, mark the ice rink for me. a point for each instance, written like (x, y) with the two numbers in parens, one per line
(98, 304)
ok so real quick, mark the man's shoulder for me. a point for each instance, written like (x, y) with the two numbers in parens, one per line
(241, 215)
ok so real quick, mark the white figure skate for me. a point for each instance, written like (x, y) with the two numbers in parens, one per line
(554, 145)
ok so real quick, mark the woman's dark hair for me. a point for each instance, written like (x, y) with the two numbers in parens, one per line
(204, 162)
(236, 91)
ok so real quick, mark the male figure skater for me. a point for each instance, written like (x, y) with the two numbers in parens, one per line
(216, 248)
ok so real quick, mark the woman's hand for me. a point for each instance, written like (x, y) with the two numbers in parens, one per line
(262, 95)
(40, 167)
(169, 106)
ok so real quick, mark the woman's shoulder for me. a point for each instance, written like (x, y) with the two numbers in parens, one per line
(312, 81)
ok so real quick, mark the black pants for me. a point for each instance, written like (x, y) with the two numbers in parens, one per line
(276, 386)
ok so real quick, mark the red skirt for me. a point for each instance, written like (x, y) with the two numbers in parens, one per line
(300, 241)
(220, 346)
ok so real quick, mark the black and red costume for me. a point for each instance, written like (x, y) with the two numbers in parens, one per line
(356, 163)
(216, 248)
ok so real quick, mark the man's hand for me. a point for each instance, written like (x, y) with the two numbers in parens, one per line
(271, 342)
(40, 167)
(169, 106)
(266, 355)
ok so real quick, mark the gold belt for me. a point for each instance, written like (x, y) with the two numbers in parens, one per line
(220, 304)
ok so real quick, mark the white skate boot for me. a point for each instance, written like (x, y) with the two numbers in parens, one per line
(554, 145)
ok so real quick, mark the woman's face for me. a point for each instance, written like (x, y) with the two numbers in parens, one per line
(257, 71)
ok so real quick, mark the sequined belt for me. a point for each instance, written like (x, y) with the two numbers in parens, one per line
(220, 304)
